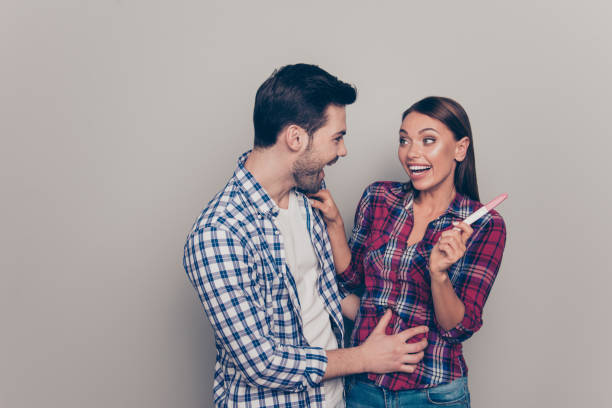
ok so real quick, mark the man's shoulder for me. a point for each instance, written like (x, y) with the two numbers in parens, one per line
(228, 210)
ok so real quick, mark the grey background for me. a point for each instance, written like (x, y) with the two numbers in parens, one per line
(120, 120)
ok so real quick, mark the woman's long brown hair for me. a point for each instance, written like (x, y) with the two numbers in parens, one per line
(454, 117)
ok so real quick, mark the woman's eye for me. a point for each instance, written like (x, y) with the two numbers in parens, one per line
(429, 140)
(403, 141)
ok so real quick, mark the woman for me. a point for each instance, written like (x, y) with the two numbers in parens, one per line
(413, 255)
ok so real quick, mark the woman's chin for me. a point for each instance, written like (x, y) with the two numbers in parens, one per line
(419, 184)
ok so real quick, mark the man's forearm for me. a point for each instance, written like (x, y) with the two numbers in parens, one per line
(343, 362)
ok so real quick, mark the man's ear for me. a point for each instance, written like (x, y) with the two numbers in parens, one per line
(461, 148)
(294, 137)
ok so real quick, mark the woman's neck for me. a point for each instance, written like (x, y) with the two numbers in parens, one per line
(433, 203)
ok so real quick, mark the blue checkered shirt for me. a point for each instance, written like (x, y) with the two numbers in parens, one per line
(235, 259)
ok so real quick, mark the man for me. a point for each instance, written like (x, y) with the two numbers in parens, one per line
(260, 259)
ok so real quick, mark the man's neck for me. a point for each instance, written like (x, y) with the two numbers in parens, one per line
(272, 170)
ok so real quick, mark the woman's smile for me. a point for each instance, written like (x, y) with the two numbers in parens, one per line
(418, 171)
(428, 152)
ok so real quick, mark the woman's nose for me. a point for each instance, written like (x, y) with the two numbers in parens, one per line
(414, 150)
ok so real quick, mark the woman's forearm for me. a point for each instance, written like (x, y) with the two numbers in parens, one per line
(350, 306)
(323, 201)
(451, 246)
(340, 249)
(448, 307)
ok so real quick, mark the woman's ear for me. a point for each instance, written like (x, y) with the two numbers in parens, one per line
(461, 148)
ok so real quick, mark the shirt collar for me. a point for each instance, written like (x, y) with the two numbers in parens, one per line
(460, 206)
(254, 191)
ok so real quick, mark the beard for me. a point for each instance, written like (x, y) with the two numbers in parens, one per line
(307, 172)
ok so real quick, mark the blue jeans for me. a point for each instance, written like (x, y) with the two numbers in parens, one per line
(368, 395)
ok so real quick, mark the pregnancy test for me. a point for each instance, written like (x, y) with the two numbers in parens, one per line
(485, 209)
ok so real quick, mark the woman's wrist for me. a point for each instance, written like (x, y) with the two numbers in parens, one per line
(335, 226)
(437, 276)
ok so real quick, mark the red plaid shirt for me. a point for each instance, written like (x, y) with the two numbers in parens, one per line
(396, 276)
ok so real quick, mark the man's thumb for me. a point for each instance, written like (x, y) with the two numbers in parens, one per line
(383, 323)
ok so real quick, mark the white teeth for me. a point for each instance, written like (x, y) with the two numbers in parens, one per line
(419, 168)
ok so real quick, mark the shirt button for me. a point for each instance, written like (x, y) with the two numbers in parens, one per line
(276, 232)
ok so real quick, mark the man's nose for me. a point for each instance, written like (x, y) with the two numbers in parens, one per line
(342, 149)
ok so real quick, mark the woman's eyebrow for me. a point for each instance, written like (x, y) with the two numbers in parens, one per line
(426, 129)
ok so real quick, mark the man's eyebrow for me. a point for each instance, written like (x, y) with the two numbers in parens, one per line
(426, 129)
(340, 133)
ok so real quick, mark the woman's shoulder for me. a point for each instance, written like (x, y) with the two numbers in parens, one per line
(382, 188)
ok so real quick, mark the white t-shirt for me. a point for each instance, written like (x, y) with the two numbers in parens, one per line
(304, 266)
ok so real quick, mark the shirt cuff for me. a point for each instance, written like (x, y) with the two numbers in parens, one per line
(459, 333)
(317, 365)
(343, 291)
(348, 279)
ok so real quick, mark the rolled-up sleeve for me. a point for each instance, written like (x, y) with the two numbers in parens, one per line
(478, 271)
(223, 272)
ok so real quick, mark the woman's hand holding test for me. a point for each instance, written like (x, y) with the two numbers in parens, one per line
(449, 249)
